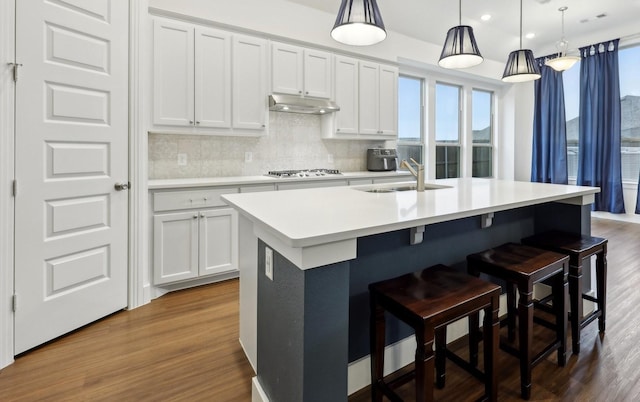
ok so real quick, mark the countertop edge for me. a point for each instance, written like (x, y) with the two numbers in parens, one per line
(161, 184)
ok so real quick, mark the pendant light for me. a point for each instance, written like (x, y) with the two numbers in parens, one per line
(562, 61)
(521, 65)
(460, 49)
(359, 23)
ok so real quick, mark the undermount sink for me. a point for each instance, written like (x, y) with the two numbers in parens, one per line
(395, 188)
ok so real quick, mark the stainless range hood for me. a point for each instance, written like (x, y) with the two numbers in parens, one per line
(297, 104)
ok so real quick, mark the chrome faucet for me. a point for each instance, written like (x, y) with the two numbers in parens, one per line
(418, 173)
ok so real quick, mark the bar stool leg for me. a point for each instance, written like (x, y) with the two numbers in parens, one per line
(525, 322)
(560, 301)
(491, 328)
(377, 340)
(424, 364)
(511, 311)
(601, 287)
(441, 357)
(474, 320)
(575, 292)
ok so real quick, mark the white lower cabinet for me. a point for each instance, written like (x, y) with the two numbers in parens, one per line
(195, 243)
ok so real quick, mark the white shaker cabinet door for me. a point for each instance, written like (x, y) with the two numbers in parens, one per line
(212, 78)
(317, 74)
(369, 98)
(249, 82)
(388, 100)
(218, 241)
(175, 247)
(286, 69)
(346, 95)
(173, 72)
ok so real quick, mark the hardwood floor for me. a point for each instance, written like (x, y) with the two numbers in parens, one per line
(184, 346)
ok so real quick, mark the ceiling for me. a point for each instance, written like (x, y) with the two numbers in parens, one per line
(586, 21)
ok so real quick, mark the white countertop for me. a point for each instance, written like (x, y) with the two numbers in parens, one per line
(311, 217)
(256, 180)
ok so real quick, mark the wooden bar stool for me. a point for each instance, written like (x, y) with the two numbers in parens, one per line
(521, 267)
(427, 301)
(579, 247)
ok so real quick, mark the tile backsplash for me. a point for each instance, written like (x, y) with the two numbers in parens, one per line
(293, 142)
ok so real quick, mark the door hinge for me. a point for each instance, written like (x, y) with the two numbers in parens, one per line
(14, 188)
(15, 70)
(15, 302)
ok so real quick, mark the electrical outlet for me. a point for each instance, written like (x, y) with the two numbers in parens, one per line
(248, 157)
(268, 262)
(330, 158)
(182, 159)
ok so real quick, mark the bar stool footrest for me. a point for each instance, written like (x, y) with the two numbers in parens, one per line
(537, 358)
(465, 365)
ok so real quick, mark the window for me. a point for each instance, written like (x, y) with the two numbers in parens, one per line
(571, 84)
(447, 125)
(410, 118)
(628, 60)
(482, 133)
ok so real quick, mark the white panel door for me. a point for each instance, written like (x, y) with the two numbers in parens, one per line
(286, 69)
(218, 241)
(71, 148)
(175, 247)
(368, 91)
(212, 78)
(346, 90)
(388, 100)
(249, 82)
(173, 71)
(317, 74)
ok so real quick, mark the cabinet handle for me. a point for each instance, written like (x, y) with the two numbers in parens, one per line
(263, 125)
(190, 201)
(195, 216)
(337, 129)
(190, 121)
(202, 215)
(299, 92)
(205, 199)
(197, 122)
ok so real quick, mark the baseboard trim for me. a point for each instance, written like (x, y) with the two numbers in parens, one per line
(257, 393)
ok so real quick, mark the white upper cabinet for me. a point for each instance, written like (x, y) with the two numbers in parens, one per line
(212, 78)
(388, 100)
(346, 91)
(378, 99)
(367, 94)
(299, 71)
(249, 82)
(173, 73)
(207, 80)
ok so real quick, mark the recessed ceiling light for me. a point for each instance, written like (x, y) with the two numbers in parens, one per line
(530, 35)
(485, 17)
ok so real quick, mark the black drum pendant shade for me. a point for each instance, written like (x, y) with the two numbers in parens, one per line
(521, 65)
(460, 49)
(359, 23)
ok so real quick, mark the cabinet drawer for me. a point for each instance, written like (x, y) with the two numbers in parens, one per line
(172, 200)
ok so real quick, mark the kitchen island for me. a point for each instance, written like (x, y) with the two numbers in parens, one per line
(304, 276)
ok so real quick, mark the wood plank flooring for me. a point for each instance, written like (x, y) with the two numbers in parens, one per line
(184, 347)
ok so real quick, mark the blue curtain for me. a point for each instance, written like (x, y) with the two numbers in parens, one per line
(599, 160)
(549, 151)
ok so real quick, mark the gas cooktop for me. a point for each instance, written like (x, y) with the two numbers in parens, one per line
(303, 173)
